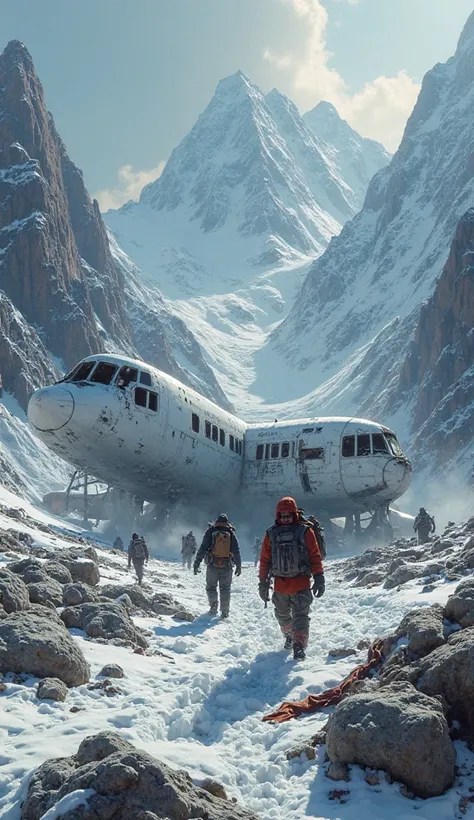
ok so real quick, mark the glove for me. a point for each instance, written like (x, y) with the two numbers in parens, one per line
(318, 586)
(263, 589)
(196, 569)
(238, 571)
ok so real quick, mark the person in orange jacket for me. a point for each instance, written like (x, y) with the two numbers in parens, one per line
(290, 554)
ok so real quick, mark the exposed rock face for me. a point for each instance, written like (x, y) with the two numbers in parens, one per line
(439, 360)
(368, 286)
(47, 593)
(57, 270)
(424, 630)
(460, 606)
(41, 270)
(103, 620)
(13, 592)
(123, 783)
(448, 671)
(397, 729)
(39, 644)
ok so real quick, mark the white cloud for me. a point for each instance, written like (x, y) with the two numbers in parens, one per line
(129, 186)
(379, 111)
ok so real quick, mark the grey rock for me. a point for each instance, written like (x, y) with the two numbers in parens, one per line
(338, 771)
(52, 689)
(46, 593)
(13, 592)
(104, 620)
(112, 670)
(79, 593)
(424, 630)
(138, 597)
(370, 579)
(57, 571)
(37, 643)
(401, 576)
(29, 569)
(128, 784)
(396, 729)
(164, 604)
(460, 606)
(81, 566)
(448, 671)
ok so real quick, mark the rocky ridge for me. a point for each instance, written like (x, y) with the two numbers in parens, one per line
(360, 319)
(62, 285)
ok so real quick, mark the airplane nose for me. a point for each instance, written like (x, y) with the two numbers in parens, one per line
(50, 408)
(397, 474)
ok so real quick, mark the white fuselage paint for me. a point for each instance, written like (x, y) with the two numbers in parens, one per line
(156, 454)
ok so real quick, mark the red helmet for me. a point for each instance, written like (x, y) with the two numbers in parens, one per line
(287, 505)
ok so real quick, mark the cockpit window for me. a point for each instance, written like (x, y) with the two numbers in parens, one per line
(379, 445)
(363, 444)
(104, 373)
(394, 445)
(83, 373)
(145, 378)
(126, 376)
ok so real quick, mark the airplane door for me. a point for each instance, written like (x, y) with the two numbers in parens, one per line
(313, 457)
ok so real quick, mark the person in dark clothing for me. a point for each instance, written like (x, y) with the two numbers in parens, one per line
(138, 555)
(220, 551)
(423, 525)
(118, 544)
(290, 554)
(188, 549)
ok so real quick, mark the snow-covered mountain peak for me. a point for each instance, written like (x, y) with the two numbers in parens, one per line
(466, 40)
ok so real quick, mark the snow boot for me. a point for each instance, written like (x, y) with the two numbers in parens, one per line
(224, 615)
(288, 641)
(213, 610)
(298, 651)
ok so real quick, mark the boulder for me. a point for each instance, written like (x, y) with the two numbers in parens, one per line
(164, 604)
(138, 597)
(57, 571)
(460, 606)
(81, 566)
(13, 592)
(79, 593)
(424, 630)
(29, 569)
(449, 671)
(397, 729)
(112, 670)
(122, 783)
(401, 576)
(38, 644)
(51, 689)
(103, 620)
(46, 593)
(370, 579)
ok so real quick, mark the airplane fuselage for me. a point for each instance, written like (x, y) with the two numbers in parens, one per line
(140, 430)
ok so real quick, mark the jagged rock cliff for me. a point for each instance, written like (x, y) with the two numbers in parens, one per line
(385, 262)
(62, 290)
(439, 367)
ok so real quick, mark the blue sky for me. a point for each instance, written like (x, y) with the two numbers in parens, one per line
(126, 79)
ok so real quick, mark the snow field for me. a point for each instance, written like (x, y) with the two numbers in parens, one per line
(199, 705)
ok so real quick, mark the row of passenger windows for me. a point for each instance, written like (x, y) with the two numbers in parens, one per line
(217, 434)
(273, 450)
(366, 444)
(105, 372)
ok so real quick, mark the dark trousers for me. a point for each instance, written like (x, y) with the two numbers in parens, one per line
(219, 577)
(138, 565)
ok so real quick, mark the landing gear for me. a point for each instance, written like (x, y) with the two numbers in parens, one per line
(374, 527)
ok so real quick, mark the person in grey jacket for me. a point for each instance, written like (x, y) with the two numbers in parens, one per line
(220, 550)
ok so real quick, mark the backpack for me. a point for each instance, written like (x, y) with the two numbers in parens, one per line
(318, 533)
(221, 543)
(289, 553)
(138, 549)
